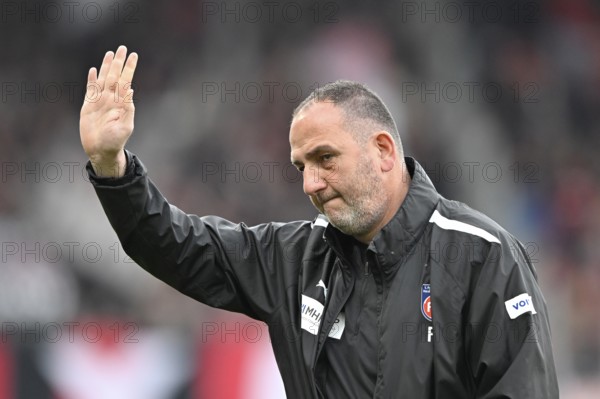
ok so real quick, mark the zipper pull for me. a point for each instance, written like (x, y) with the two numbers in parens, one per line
(366, 268)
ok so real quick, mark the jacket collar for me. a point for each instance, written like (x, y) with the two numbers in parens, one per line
(398, 238)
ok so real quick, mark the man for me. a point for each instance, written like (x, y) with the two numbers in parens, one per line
(362, 301)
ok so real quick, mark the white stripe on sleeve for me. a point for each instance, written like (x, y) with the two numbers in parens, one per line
(449, 224)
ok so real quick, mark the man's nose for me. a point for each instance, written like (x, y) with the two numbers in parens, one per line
(313, 182)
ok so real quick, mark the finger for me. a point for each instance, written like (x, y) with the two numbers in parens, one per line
(108, 58)
(92, 76)
(92, 85)
(115, 68)
(129, 70)
(128, 99)
(126, 79)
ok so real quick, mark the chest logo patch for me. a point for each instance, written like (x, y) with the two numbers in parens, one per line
(311, 315)
(426, 301)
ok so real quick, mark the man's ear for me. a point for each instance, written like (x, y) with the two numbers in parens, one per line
(387, 150)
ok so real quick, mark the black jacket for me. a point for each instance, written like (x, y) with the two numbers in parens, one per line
(460, 312)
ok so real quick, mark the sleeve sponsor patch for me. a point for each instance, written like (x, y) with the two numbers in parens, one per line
(519, 305)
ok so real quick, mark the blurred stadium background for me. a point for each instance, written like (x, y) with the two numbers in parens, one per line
(499, 100)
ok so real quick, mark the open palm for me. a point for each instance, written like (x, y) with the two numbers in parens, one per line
(106, 120)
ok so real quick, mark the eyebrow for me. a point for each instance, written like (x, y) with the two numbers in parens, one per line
(318, 149)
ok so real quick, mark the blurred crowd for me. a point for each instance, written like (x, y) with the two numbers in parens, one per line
(498, 101)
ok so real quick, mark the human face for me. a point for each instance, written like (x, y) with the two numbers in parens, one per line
(341, 176)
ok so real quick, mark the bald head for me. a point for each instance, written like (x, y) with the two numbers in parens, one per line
(363, 111)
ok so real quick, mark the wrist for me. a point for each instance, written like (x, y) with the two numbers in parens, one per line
(109, 165)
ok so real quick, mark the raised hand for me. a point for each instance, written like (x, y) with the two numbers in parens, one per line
(106, 119)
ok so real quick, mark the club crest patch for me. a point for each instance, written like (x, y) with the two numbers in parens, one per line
(426, 301)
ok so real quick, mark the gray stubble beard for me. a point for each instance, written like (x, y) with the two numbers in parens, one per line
(365, 210)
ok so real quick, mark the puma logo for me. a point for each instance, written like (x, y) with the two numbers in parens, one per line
(322, 284)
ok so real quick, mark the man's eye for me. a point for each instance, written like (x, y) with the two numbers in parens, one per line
(326, 157)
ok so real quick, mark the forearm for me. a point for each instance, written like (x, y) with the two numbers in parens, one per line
(210, 259)
(157, 236)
